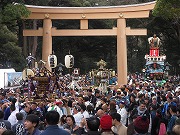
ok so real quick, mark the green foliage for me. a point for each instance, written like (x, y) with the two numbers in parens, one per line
(37, 2)
(6, 35)
(168, 9)
(10, 53)
(14, 12)
(167, 22)
(81, 3)
(11, 56)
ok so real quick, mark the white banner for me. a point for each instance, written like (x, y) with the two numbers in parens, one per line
(13, 79)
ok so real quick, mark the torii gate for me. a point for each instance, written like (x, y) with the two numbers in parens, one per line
(120, 13)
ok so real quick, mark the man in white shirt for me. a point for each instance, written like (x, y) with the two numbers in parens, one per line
(122, 111)
(12, 118)
(84, 112)
(55, 107)
(86, 101)
(77, 114)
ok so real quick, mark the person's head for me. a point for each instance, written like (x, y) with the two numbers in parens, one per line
(176, 129)
(154, 99)
(132, 98)
(74, 104)
(158, 112)
(116, 118)
(90, 109)
(31, 121)
(103, 100)
(112, 105)
(59, 103)
(97, 93)
(33, 105)
(104, 107)
(41, 105)
(19, 116)
(172, 109)
(65, 102)
(141, 96)
(8, 132)
(1, 114)
(2, 96)
(52, 118)
(118, 91)
(89, 92)
(142, 106)
(12, 107)
(169, 99)
(146, 100)
(27, 107)
(70, 120)
(13, 100)
(76, 109)
(80, 100)
(63, 119)
(37, 113)
(106, 122)
(122, 104)
(93, 123)
(83, 107)
(141, 124)
(86, 98)
(100, 113)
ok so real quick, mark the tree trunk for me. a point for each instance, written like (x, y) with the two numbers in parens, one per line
(24, 48)
(35, 38)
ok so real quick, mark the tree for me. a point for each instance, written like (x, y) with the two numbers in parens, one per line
(167, 9)
(167, 13)
(10, 13)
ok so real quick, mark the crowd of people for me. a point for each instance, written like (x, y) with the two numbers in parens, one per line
(142, 107)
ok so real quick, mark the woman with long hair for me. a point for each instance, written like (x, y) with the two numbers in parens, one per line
(70, 125)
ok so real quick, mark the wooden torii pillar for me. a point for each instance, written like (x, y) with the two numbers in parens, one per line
(120, 13)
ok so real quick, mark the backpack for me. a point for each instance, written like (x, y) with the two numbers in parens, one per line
(162, 129)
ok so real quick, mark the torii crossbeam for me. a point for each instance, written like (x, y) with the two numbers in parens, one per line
(120, 13)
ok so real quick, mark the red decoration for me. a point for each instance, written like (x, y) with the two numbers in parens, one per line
(154, 52)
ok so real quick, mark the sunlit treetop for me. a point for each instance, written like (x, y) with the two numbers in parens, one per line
(167, 9)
